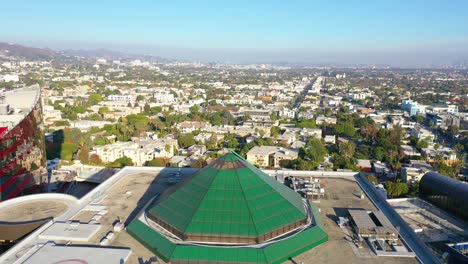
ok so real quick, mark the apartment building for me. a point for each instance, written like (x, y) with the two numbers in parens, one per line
(139, 150)
(270, 156)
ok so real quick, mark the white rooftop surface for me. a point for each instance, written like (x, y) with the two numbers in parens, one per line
(50, 253)
(70, 231)
(21, 101)
(22, 98)
(121, 196)
(364, 163)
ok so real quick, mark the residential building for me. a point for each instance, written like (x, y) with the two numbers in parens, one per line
(139, 150)
(410, 151)
(203, 137)
(323, 119)
(415, 171)
(270, 156)
(445, 154)
(444, 120)
(330, 139)
(190, 126)
(287, 113)
(197, 149)
(121, 97)
(411, 106)
(422, 134)
(164, 97)
(364, 165)
(442, 108)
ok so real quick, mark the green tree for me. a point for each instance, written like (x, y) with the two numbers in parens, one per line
(100, 141)
(452, 130)
(275, 131)
(232, 143)
(459, 148)
(265, 141)
(83, 156)
(122, 162)
(147, 108)
(340, 162)
(314, 150)
(414, 189)
(364, 152)
(80, 109)
(186, 140)
(418, 119)
(94, 99)
(300, 164)
(155, 110)
(274, 116)
(347, 149)
(195, 109)
(345, 129)
(212, 143)
(168, 148)
(137, 123)
(390, 187)
(451, 170)
(306, 123)
(61, 123)
(94, 159)
(103, 110)
(68, 150)
(421, 144)
(395, 190)
(159, 162)
(261, 132)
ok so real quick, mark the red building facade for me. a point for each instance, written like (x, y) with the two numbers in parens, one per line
(22, 155)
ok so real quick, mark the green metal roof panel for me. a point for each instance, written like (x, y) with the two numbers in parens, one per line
(295, 245)
(152, 240)
(274, 253)
(216, 254)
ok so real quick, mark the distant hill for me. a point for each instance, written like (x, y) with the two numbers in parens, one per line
(113, 55)
(97, 53)
(27, 53)
(17, 51)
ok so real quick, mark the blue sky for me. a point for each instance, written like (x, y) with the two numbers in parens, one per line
(246, 30)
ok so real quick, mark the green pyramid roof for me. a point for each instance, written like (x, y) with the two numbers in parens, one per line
(229, 201)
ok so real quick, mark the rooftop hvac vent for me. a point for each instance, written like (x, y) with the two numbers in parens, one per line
(4, 109)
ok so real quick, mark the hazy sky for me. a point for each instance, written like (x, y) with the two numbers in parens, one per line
(357, 31)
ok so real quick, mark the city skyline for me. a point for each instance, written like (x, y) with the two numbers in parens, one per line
(129, 134)
(396, 33)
